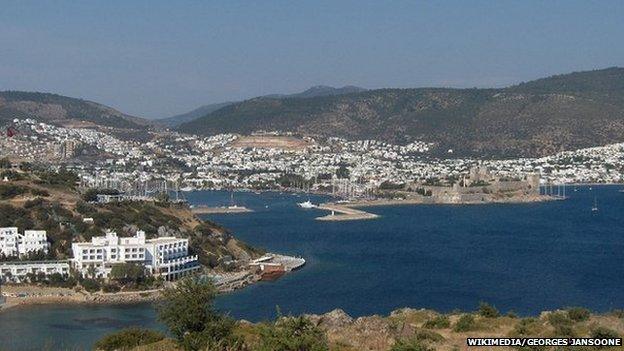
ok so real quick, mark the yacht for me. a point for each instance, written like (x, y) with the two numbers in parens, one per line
(306, 204)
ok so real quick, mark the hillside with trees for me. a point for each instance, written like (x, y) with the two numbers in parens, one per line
(58, 109)
(536, 118)
(47, 200)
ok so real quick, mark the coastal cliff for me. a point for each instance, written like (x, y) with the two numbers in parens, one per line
(428, 330)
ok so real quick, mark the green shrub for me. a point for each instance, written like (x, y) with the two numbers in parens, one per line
(292, 334)
(604, 332)
(488, 311)
(9, 191)
(618, 313)
(465, 323)
(39, 192)
(11, 175)
(438, 322)
(427, 335)
(411, 344)
(578, 314)
(559, 318)
(188, 312)
(127, 339)
(90, 285)
(564, 330)
(110, 288)
(511, 314)
(527, 327)
(128, 273)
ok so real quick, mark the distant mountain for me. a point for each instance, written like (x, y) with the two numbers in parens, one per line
(58, 109)
(176, 120)
(536, 118)
(320, 90)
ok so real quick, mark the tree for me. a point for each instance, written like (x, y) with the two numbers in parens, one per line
(487, 310)
(91, 285)
(128, 273)
(342, 172)
(188, 312)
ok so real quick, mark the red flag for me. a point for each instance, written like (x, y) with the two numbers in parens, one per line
(11, 132)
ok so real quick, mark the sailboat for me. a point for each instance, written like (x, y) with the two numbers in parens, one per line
(595, 207)
(232, 204)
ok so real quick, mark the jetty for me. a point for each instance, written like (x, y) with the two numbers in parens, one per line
(341, 212)
(219, 209)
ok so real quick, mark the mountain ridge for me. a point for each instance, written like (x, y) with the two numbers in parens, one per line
(315, 91)
(59, 109)
(536, 118)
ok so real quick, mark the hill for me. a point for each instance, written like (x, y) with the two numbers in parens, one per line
(176, 120)
(40, 199)
(536, 118)
(62, 110)
(320, 90)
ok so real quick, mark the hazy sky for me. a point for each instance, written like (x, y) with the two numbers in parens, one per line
(158, 58)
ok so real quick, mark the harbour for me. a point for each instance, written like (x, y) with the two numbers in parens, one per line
(542, 256)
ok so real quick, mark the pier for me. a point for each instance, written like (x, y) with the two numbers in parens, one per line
(220, 209)
(343, 213)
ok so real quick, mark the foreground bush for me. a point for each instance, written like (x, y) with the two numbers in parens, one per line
(604, 332)
(188, 312)
(488, 311)
(412, 344)
(439, 322)
(127, 339)
(292, 334)
(465, 323)
(578, 314)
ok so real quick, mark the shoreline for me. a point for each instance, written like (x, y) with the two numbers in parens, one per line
(25, 295)
(199, 210)
(348, 211)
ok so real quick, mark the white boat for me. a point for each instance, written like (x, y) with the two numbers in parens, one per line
(306, 204)
(187, 188)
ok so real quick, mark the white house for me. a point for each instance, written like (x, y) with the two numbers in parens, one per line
(17, 271)
(166, 257)
(14, 244)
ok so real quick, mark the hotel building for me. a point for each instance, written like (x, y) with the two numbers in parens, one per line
(14, 244)
(165, 257)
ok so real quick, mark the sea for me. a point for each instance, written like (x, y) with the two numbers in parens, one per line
(525, 258)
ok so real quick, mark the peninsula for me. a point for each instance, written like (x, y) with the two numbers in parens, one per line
(117, 251)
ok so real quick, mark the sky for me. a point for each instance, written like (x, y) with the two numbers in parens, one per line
(155, 58)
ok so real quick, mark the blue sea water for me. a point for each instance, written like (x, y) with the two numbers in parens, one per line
(521, 257)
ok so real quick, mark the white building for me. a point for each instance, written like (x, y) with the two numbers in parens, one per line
(14, 244)
(166, 257)
(17, 271)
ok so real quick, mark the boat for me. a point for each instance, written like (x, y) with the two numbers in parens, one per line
(306, 204)
(187, 188)
(595, 207)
